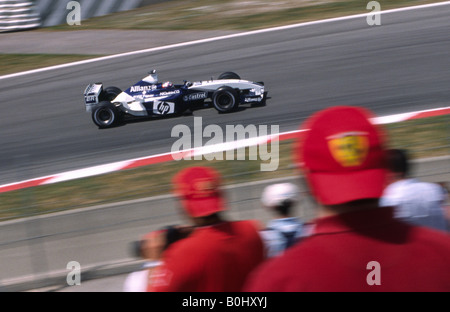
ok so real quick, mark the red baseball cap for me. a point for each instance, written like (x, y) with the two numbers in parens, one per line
(342, 155)
(198, 188)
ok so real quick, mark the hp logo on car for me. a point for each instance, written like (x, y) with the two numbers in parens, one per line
(163, 108)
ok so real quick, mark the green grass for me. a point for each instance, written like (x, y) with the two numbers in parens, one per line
(230, 14)
(427, 137)
(13, 63)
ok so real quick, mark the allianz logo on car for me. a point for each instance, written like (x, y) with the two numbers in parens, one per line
(143, 88)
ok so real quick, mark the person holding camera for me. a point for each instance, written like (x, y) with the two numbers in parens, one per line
(136, 281)
(216, 255)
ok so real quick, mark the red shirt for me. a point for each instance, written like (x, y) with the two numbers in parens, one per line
(336, 258)
(213, 258)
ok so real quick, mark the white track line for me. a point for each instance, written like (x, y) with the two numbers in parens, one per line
(248, 33)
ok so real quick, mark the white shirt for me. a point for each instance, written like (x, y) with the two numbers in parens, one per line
(138, 281)
(274, 240)
(417, 202)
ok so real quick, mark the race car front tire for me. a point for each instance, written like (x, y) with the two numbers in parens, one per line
(229, 75)
(110, 93)
(106, 115)
(225, 99)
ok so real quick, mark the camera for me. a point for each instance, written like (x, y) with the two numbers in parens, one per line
(172, 233)
(175, 233)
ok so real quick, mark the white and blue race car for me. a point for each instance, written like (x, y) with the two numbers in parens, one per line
(150, 98)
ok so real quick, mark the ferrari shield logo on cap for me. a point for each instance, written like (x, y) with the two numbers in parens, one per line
(350, 148)
(204, 188)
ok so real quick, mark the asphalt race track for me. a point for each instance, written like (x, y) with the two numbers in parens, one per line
(402, 65)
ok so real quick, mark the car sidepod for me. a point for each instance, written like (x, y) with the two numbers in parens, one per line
(150, 99)
(248, 91)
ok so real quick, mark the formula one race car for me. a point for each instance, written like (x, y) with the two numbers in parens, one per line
(150, 98)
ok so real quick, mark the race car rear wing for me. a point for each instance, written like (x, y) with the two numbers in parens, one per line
(92, 95)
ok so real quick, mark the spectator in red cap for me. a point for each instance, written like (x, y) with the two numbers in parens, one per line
(355, 245)
(218, 254)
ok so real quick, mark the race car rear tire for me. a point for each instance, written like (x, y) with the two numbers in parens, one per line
(229, 75)
(106, 115)
(225, 99)
(110, 93)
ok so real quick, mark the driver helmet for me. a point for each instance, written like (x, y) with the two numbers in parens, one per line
(152, 77)
(167, 84)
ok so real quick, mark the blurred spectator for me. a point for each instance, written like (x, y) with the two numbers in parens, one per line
(416, 202)
(355, 245)
(142, 249)
(149, 248)
(218, 254)
(284, 230)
